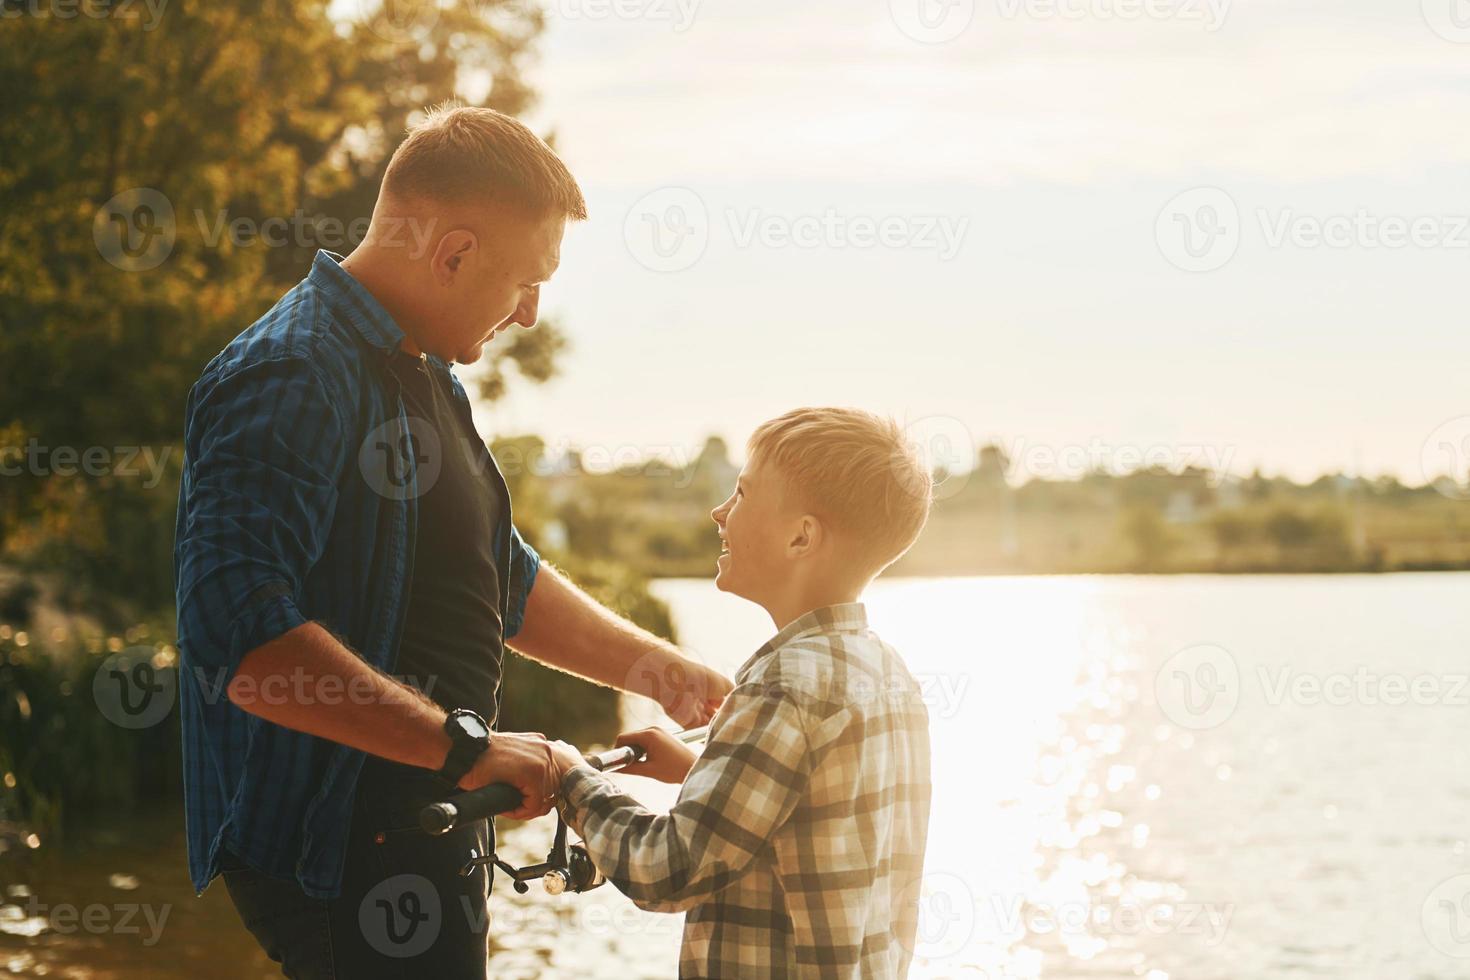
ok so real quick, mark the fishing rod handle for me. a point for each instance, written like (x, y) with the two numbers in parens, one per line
(497, 798)
(487, 801)
(614, 759)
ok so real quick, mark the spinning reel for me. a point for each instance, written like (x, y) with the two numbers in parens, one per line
(568, 867)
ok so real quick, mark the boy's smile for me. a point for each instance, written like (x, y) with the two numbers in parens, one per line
(756, 524)
(739, 520)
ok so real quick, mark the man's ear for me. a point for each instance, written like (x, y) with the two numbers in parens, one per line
(450, 254)
(807, 539)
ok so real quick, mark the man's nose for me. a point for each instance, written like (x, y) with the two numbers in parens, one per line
(525, 314)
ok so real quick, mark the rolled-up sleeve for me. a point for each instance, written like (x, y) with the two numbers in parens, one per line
(739, 793)
(266, 448)
(524, 564)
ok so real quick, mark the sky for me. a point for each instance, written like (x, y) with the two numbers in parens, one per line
(1086, 229)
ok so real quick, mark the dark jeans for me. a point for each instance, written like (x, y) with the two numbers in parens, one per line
(405, 911)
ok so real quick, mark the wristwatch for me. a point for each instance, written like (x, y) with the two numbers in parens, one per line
(469, 738)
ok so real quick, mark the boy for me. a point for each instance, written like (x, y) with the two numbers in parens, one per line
(797, 842)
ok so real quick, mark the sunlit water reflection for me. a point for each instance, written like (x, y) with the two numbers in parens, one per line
(1090, 824)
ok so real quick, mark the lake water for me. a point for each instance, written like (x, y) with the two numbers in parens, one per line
(1190, 777)
(1186, 777)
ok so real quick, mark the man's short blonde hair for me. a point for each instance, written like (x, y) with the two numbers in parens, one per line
(855, 472)
(468, 155)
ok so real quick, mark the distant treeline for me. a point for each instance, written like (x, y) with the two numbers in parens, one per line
(655, 518)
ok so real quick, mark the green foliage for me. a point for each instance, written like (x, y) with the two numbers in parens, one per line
(233, 111)
(61, 759)
(1148, 537)
(1158, 521)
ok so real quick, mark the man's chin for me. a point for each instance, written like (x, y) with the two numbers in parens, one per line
(471, 356)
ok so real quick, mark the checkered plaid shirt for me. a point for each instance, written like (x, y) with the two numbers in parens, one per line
(797, 841)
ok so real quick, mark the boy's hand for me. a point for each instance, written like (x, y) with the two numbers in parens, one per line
(668, 759)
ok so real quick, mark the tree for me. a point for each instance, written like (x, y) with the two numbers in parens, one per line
(1149, 537)
(141, 161)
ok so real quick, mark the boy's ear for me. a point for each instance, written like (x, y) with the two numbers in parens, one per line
(807, 539)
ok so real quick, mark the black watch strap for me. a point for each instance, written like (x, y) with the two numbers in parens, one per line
(465, 747)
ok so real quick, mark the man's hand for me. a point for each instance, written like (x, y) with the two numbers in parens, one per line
(524, 760)
(668, 760)
(567, 629)
(688, 691)
(564, 757)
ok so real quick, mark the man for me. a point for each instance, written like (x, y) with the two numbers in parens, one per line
(340, 519)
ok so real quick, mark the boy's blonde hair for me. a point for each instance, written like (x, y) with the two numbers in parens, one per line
(855, 472)
(464, 154)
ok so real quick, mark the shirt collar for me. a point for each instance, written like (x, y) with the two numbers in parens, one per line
(354, 303)
(845, 617)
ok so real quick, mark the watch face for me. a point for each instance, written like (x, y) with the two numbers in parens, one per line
(472, 725)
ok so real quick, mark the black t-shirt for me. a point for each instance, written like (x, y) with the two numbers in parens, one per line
(453, 635)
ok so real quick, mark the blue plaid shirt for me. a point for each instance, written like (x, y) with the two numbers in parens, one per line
(286, 515)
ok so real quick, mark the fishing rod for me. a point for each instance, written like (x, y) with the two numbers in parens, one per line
(567, 867)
